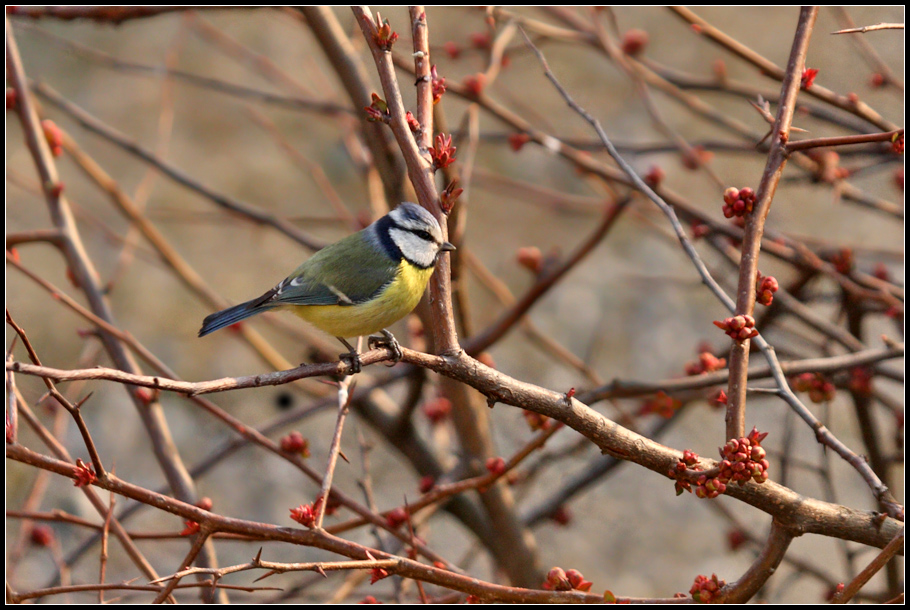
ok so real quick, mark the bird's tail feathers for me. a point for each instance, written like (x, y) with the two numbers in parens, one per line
(231, 315)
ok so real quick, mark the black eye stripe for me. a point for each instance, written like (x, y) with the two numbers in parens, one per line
(424, 235)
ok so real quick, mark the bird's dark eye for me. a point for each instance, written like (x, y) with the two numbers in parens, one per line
(424, 235)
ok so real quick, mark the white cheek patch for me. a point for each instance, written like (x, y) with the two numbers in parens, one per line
(418, 251)
(423, 222)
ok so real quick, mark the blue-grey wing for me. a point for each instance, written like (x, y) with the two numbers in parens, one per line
(348, 272)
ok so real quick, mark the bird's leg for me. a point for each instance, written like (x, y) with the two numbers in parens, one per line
(351, 356)
(387, 340)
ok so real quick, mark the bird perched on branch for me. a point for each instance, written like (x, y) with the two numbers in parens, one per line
(359, 285)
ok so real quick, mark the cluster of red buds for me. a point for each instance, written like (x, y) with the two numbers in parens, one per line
(661, 404)
(442, 153)
(765, 287)
(820, 389)
(704, 589)
(739, 328)
(438, 83)
(808, 78)
(566, 580)
(709, 487)
(744, 459)
(84, 474)
(897, 142)
(689, 461)
(412, 122)
(294, 443)
(706, 363)
(449, 196)
(738, 202)
(305, 514)
(384, 37)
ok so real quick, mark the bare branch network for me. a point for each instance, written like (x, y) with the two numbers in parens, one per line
(674, 235)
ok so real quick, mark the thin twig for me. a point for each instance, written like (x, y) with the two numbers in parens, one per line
(871, 28)
(893, 549)
(842, 140)
(420, 173)
(227, 202)
(72, 409)
(762, 568)
(746, 295)
(769, 68)
(755, 221)
(344, 401)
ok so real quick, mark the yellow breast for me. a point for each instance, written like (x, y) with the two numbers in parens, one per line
(393, 303)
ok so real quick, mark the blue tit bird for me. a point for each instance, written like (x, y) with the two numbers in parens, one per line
(360, 284)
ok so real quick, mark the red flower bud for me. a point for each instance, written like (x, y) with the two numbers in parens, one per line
(634, 42)
(496, 465)
(396, 517)
(474, 84)
(442, 153)
(808, 78)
